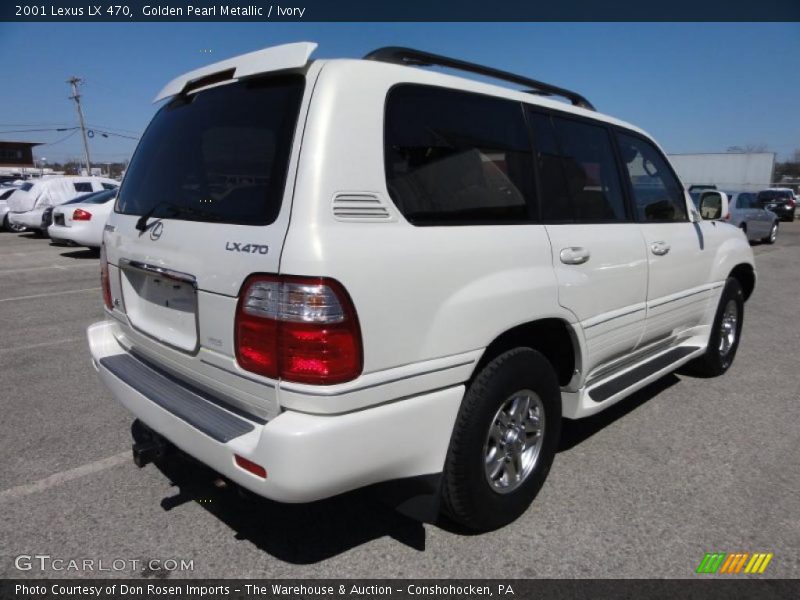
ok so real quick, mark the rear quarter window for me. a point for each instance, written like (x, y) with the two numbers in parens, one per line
(457, 158)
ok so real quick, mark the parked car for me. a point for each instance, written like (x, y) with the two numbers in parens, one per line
(82, 220)
(781, 201)
(6, 191)
(28, 205)
(416, 298)
(746, 213)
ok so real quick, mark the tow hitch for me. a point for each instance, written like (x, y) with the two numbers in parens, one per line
(148, 446)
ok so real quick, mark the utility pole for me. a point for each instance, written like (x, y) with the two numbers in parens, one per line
(74, 82)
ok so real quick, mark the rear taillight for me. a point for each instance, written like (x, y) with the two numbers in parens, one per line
(105, 284)
(81, 215)
(301, 329)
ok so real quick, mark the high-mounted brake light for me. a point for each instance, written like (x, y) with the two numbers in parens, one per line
(105, 283)
(301, 329)
(81, 215)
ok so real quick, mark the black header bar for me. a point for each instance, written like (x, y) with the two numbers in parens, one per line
(397, 10)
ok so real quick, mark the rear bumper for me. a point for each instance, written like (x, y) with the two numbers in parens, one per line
(307, 457)
(31, 219)
(81, 236)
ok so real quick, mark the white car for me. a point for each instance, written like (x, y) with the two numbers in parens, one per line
(27, 206)
(82, 223)
(328, 274)
(6, 191)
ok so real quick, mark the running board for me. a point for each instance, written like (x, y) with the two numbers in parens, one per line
(614, 386)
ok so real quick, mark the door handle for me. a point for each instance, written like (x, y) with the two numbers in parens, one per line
(659, 248)
(574, 255)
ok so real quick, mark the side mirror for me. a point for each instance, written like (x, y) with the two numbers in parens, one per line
(714, 206)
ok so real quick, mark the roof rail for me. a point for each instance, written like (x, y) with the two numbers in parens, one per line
(419, 58)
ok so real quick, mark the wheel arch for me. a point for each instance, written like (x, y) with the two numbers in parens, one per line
(554, 338)
(746, 276)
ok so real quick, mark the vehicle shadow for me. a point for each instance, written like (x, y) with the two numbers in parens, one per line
(295, 533)
(81, 253)
(308, 533)
(577, 431)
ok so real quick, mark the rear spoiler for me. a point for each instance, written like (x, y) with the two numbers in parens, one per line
(276, 58)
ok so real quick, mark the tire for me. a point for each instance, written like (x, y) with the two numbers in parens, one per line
(773, 234)
(720, 352)
(8, 226)
(483, 425)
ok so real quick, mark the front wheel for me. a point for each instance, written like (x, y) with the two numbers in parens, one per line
(504, 440)
(12, 226)
(725, 333)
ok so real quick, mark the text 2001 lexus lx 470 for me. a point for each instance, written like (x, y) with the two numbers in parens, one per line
(327, 274)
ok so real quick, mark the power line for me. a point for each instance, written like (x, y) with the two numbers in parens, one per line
(33, 130)
(108, 133)
(66, 137)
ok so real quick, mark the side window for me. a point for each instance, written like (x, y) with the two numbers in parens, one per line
(457, 158)
(591, 171)
(109, 186)
(83, 186)
(555, 202)
(657, 193)
(746, 201)
(577, 171)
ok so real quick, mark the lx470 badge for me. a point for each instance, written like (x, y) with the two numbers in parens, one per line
(247, 248)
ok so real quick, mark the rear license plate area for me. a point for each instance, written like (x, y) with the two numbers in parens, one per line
(161, 307)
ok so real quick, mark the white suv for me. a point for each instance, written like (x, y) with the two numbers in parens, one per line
(328, 274)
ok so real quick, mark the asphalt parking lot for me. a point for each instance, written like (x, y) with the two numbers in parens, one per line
(684, 467)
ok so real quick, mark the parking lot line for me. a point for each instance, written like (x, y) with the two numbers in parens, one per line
(56, 479)
(49, 267)
(41, 344)
(94, 289)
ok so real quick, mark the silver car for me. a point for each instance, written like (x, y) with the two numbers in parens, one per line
(759, 224)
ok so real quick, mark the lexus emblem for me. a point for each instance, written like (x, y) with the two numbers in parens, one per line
(156, 231)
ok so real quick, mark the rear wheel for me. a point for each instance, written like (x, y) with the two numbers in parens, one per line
(725, 333)
(773, 234)
(504, 440)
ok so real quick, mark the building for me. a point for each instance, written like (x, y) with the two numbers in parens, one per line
(17, 154)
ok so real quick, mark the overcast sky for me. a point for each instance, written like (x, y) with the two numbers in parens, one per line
(694, 87)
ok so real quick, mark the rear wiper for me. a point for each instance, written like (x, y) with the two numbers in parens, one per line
(175, 209)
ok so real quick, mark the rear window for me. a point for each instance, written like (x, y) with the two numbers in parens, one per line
(26, 186)
(98, 197)
(455, 158)
(219, 155)
(774, 195)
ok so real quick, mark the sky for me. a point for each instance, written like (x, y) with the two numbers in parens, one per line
(696, 87)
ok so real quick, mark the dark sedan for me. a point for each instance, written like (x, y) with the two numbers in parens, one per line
(780, 201)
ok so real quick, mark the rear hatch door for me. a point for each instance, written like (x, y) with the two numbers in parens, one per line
(204, 204)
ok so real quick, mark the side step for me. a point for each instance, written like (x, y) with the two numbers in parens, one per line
(604, 391)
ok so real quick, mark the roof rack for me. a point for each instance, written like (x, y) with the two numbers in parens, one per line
(411, 57)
